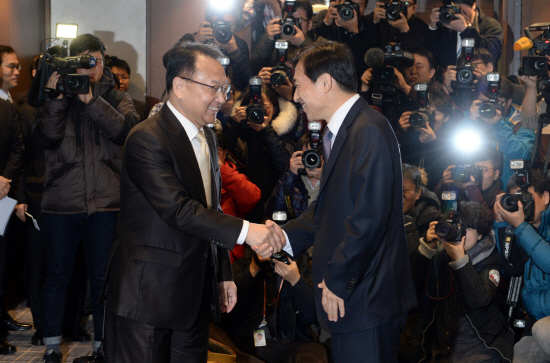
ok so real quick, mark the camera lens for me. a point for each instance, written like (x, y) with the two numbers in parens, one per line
(460, 174)
(487, 110)
(509, 202)
(418, 119)
(223, 35)
(392, 13)
(278, 78)
(446, 16)
(386, 74)
(465, 76)
(311, 159)
(537, 66)
(346, 13)
(447, 231)
(288, 29)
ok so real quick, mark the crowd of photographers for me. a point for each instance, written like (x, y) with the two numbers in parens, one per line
(475, 196)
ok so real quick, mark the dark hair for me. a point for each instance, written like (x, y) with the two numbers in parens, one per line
(506, 89)
(181, 60)
(474, 215)
(480, 54)
(538, 182)
(441, 101)
(35, 63)
(269, 92)
(465, 2)
(306, 5)
(87, 42)
(428, 55)
(490, 154)
(413, 173)
(325, 56)
(5, 49)
(222, 140)
(119, 63)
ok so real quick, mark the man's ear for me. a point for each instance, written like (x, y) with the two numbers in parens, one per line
(177, 87)
(546, 198)
(326, 82)
(490, 67)
(497, 174)
(310, 25)
(432, 73)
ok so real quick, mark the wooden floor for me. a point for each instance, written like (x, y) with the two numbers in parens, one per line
(27, 353)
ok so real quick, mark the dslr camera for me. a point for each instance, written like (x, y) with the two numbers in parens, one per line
(256, 112)
(533, 66)
(281, 71)
(396, 57)
(462, 174)
(488, 109)
(312, 158)
(288, 23)
(450, 229)
(222, 31)
(465, 75)
(345, 10)
(523, 180)
(447, 13)
(423, 115)
(394, 9)
(541, 44)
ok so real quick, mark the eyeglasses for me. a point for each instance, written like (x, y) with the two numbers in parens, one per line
(13, 67)
(215, 89)
(484, 168)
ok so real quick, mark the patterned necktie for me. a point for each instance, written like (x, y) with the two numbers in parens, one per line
(204, 164)
(327, 136)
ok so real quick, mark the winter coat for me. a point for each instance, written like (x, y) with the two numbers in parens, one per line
(535, 294)
(83, 145)
(295, 188)
(426, 210)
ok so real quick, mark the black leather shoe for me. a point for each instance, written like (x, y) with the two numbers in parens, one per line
(52, 356)
(94, 358)
(12, 325)
(80, 335)
(6, 348)
(37, 338)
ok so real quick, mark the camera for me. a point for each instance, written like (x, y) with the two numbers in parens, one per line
(488, 109)
(465, 75)
(222, 31)
(281, 256)
(288, 23)
(394, 9)
(462, 174)
(533, 66)
(394, 56)
(418, 119)
(312, 158)
(447, 13)
(345, 10)
(523, 180)
(450, 229)
(281, 72)
(256, 112)
(541, 44)
(69, 83)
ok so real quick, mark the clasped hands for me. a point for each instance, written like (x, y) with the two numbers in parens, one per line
(265, 239)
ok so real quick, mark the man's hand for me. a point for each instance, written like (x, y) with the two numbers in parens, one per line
(514, 218)
(529, 81)
(351, 25)
(20, 210)
(431, 237)
(450, 76)
(4, 187)
(87, 97)
(52, 83)
(331, 15)
(265, 74)
(331, 303)
(379, 12)
(287, 272)
(427, 134)
(204, 33)
(265, 239)
(286, 90)
(228, 295)
(297, 39)
(240, 114)
(447, 179)
(296, 162)
(455, 250)
(434, 18)
(273, 28)
(404, 121)
(402, 24)
(498, 216)
(400, 82)
(229, 47)
(459, 24)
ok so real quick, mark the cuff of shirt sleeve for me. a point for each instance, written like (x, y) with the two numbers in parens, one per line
(244, 232)
(429, 26)
(458, 264)
(287, 247)
(426, 250)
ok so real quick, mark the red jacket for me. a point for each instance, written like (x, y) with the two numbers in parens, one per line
(239, 196)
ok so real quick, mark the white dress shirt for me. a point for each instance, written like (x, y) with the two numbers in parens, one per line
(191, 130)
(5, 96)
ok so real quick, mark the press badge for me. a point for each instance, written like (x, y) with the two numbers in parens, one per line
(259, 338)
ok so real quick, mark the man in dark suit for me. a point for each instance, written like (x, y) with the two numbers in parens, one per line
(170, 269)
(360, 257)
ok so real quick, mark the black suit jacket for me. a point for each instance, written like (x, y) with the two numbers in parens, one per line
(12, 149)
(169, 256)
(356, 226)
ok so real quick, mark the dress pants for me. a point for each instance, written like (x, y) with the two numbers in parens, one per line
(379, 344)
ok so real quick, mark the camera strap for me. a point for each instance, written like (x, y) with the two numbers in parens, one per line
(509, 238)
(288, 202)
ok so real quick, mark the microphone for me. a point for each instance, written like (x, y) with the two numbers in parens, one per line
(375, 58)
(523, 44)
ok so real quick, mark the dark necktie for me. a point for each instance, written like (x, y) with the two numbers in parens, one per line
(327, 136)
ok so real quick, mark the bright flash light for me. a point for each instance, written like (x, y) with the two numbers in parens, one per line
(219, 6)
(66, 30)
(468, 141)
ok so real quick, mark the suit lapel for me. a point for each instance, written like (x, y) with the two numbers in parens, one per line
(212, 147)
(174, 127)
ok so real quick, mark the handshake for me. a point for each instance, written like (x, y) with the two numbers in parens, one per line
(265, 239)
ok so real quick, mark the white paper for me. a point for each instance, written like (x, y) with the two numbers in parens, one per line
(7, 206)
(34, 222)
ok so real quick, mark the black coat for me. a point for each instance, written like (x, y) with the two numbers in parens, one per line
(169, 244)
(12, 149)
(385, 33)
(356, 226)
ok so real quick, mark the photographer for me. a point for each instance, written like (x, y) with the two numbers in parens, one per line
(285, 90)
(236, 48)
(408, 30)
(265, 53)
(83, 138)
(533, 237)
(354, 32)
(444, 40)
(513, 140)
(301, 189)
(121, 70)
(530, 109)
(260, 150)
(459, 278)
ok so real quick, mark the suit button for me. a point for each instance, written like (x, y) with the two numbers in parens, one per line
(205, 256)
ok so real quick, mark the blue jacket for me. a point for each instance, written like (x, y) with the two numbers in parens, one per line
(297, 191)
(536, 292)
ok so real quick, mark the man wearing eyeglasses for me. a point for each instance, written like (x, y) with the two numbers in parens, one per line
(83, 137)
(10, 71)
(170, 273)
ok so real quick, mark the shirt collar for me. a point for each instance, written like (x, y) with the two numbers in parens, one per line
(190, 128)
(338, 117)
(5, 95)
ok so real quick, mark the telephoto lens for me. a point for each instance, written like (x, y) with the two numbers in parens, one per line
(448, 231)
(418, 120)
(487, 110)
